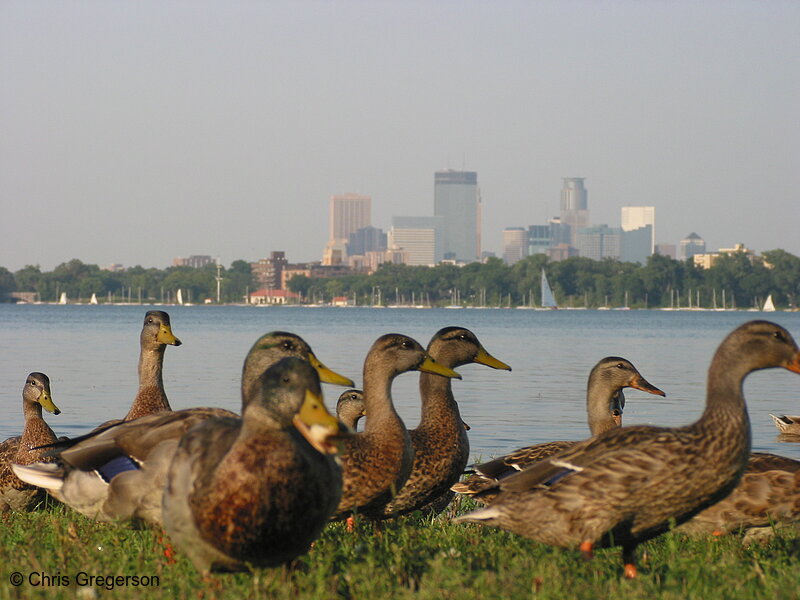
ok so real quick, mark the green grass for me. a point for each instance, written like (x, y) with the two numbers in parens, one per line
(413, 557)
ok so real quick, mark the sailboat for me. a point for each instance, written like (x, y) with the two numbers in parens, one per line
(63, 298)
(93, 299)
(179, 296)
(769, 305)
(548, 300)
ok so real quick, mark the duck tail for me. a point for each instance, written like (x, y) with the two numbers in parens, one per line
(49, 476)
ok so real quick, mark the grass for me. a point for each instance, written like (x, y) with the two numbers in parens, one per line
(414, 557)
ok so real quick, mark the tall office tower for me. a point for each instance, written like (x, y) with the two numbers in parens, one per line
(690, 245)
(637, 217)
(515, 244)
(366, 239)
(348, 214)
(419, 238)
(457, 199)
(574, 206)
(599, 242)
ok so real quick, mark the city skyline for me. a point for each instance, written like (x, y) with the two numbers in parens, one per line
(136, 133)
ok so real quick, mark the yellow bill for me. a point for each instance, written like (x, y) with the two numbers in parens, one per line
(328, 376)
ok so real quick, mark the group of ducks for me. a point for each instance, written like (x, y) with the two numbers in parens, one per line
(258, 488)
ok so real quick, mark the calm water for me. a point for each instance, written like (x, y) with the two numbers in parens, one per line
(90, 354)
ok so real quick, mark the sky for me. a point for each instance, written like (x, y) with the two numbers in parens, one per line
(136, 132)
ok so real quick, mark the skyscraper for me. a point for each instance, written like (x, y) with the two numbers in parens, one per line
(515, 244)
(419, 237)
(456, 198)
(348, 214)
(690, 245)
(574, 206)
(637, 217)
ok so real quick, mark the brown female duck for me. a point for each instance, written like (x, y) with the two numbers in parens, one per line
(226, 507)
(119, 472)
(786, 424)
(377, 461)
(630, 484)
(768, 496)
(23, 449)
(440, 442)
(156, 334)
(350, 408)
(605, 402)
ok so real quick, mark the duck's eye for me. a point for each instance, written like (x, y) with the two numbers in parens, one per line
(285, 379)
(620, 366)
(287, 345)
(405, 344)
(779, 336)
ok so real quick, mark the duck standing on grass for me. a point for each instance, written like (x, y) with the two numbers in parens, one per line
(605, 403)
(24, 449)
(631, 484)
(440, 442)
(256, 490)
(377, 461)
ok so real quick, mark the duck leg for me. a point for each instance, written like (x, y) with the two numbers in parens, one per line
(586, 548)
(629, 560)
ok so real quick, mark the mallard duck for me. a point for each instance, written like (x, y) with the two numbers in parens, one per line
(786, 424)
(227, 507)
(350, 408)
(605, 403)
(377, 461)
(119, 472)
(630, 484)
(151, 397)
(440, 442)
(768, 496)
(23, 449)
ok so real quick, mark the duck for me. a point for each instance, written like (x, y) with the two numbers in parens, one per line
(24, 449)
(118, 473)
(226, 507)
(786, 424)
(605, 403)
(767, 497)
(377, 461)
(631, 484)
(350, 408)
(440, 441)
(150, 397)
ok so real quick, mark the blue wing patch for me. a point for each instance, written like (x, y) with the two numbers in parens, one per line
(115, 466)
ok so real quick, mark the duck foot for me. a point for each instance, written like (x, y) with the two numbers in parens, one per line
(586, 548)
(630, 571)
(350, 523)
(629, 560)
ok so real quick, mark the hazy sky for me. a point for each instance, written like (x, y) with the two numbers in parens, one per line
(134, 132)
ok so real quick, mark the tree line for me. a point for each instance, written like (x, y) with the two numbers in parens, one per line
(734, 279)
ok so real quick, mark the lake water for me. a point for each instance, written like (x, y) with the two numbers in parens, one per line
(90, 354)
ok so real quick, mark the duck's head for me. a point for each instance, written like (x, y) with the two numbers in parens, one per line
(157, 331)
(291, 397)
(605, 399)
(760, 345)
(350, 407)
(37, 390)
(456, 346)
(276, 345)
(406, 354)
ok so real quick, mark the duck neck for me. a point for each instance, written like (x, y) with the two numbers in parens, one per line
(151, 363)
(378, 405)
(36, 433)
(725, 418)
(439, 407)
(598, 406)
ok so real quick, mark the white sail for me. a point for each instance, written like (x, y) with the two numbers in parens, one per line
(769, 306)
(93, 299)
(63, 299)
(179, 297)
(548, 300)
